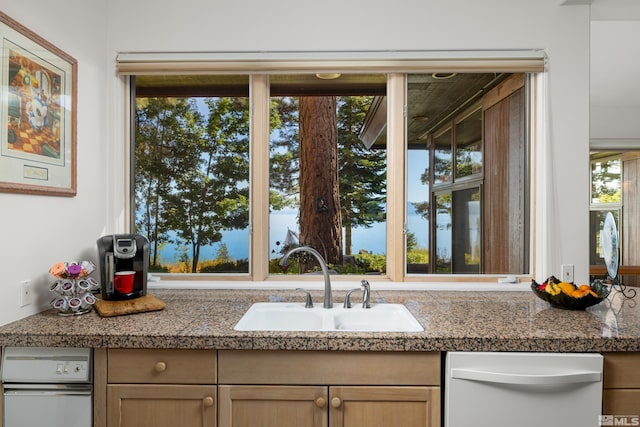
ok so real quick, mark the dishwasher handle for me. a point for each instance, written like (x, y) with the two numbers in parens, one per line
(526, 379)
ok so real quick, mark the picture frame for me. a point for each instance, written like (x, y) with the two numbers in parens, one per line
(38, 98)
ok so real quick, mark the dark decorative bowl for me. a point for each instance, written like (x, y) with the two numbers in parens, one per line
(567, 302)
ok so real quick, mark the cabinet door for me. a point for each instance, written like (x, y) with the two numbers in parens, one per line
(272, 406)
(621, 402)
(161, 406)
(384, 406)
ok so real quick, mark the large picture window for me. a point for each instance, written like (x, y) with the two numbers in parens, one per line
(384, 173)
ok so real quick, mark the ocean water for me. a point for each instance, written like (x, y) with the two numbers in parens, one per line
(371, 239)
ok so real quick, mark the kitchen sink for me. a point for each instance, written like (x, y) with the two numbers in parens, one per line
(295, 317)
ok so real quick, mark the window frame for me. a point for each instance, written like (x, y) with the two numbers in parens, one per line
(396, 162)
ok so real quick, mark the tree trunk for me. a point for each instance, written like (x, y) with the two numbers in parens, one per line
(347, 227)
(320, 219)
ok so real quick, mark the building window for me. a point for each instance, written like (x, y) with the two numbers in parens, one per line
(469, 149)
(614, 189)
(220, 189)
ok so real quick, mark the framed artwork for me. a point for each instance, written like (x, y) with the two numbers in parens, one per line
(38, 84)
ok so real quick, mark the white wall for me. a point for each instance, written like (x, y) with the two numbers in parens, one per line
(615, 76)
(64, 228)
(37, 231)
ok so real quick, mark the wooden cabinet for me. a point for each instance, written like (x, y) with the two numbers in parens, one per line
(377, 406)
(159, 388)
(621, 394)
(272, 406)
(328, 389)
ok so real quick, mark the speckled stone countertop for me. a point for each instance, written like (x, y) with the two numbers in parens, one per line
(456, 320)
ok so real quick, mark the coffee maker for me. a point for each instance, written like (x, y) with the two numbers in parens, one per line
(120, 253)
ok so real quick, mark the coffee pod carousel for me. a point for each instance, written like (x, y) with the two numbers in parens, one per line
(73, 287)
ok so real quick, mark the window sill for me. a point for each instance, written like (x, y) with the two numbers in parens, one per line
(342, 285)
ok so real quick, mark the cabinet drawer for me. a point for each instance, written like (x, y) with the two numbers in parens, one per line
(328, 367)
(161, 366)
(622, 370)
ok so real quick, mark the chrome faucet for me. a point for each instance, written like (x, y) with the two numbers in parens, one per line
(366, 294)
(347, 298)
(328, 301)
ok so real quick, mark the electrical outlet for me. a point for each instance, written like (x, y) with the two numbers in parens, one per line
(26, 293)
(567, 272)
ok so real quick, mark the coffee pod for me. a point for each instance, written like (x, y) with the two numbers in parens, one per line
(56, 286)
(75, 303)
(60, 303)
(83, 285)
(66, 287)
(87, 301)
(88, 267)
(94, 283)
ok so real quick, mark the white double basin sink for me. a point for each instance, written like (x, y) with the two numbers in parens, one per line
(271, 316)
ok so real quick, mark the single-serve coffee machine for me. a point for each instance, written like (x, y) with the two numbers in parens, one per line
(124, 263)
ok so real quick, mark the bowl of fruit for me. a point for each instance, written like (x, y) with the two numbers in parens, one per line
(569, 296)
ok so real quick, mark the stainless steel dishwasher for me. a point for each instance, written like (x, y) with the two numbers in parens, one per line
(47, 387)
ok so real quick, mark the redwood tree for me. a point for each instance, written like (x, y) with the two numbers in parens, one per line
(320, 218)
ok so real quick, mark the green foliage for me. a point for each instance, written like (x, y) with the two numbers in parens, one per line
(418, 256)
(371, 262)
(606, 175)
(160, 130)
(191, 172)
(284, 158)
(215, 266)
(412, 242)
(611, 198)
(159, 268)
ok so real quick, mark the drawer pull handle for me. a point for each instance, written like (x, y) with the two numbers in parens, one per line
(207, 402)
(336, 402)
(320, 402)
(161, 367)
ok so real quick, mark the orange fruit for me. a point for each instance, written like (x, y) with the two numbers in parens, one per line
(578, 293)
(567, 287)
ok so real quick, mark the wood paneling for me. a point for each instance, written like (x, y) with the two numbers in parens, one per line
(504, 211)
(630, 230)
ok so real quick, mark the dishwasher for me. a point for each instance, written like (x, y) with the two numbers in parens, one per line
(47, 387)
(522, 389)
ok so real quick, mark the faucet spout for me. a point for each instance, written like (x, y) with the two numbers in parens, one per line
(366, 294)
(328, 300)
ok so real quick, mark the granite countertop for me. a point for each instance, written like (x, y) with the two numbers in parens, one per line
(453, 320)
